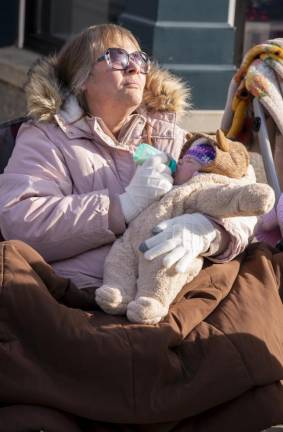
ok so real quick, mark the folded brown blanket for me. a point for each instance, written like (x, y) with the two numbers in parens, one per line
(214, 364)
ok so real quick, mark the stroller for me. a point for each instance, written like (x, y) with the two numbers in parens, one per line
(254, 101)
(255, 94)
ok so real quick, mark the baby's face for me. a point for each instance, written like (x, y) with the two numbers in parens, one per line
(186, 167)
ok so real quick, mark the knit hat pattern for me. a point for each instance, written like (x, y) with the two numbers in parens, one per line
(201, 151)
(219, 155)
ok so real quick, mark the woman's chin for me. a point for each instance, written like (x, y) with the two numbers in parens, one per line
(131, 99)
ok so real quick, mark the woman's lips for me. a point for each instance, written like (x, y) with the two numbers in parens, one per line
(132, 84)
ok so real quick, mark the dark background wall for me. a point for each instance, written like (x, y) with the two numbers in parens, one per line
(8, 22)
(193, 39)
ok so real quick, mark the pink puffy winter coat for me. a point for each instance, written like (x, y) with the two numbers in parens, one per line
(59, 192)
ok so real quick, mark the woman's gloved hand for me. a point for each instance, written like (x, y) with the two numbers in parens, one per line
(181, 238)
(150, 182)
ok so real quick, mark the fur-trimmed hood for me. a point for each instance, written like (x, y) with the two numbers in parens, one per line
(163, 92)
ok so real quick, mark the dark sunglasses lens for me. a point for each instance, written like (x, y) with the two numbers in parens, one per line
(142, 60)
(118, 58)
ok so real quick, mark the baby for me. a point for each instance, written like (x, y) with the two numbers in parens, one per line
(212, 179)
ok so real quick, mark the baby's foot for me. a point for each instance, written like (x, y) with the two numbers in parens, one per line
(146, 310)
(112, 300)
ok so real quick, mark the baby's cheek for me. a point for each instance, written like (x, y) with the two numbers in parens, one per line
(180, 175)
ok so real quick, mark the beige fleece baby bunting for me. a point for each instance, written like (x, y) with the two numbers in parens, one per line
(145, 289)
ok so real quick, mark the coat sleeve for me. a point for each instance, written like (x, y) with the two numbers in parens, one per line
(238, 232)
(37, 204)
(229, 200)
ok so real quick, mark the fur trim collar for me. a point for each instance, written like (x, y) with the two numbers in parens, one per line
(46, 97)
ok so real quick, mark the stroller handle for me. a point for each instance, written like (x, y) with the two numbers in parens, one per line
(265, 149)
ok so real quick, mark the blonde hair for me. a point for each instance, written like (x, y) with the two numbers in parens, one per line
(75, 60)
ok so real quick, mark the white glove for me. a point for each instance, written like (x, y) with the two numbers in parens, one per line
(150, 182)
(182, 239)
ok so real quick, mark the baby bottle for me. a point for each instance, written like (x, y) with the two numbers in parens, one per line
(145, 151)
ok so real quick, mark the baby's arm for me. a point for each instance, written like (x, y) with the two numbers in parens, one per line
(229, 200)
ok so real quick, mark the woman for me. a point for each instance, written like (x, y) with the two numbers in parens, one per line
(71, 184)
(69, 189)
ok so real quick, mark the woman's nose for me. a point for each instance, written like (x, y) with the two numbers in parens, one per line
(133, 67)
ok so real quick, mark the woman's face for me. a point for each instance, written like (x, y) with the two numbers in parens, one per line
(115, 89)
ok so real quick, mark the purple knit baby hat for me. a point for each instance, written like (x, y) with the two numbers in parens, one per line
(203, 152)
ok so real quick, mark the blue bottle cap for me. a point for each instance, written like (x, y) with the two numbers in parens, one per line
(172, 165)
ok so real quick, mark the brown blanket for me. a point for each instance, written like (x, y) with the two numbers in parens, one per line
(214, 364)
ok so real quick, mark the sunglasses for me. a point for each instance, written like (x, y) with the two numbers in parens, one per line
(119, 59)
